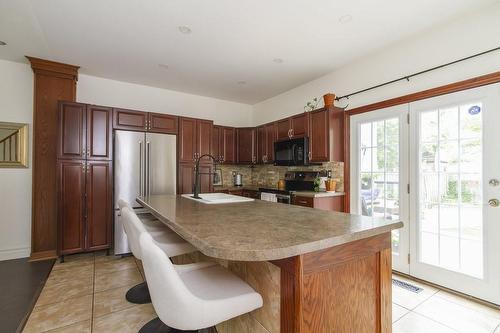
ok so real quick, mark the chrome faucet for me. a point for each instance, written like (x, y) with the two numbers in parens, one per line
(196, 191)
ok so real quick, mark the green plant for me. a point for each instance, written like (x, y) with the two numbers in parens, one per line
(317, 183)
(311, 105)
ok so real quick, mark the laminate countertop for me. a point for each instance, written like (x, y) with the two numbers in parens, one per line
(260, 230)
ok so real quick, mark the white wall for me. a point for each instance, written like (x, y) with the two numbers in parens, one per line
(95, 90)
(16, 105)
(456, 39)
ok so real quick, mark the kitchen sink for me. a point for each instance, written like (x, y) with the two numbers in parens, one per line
(218, 198)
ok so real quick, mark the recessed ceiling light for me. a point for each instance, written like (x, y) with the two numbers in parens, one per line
(345, 18)
(242, 82)
(185, 29)
(2, 43)
(278, 60)
(163, 66)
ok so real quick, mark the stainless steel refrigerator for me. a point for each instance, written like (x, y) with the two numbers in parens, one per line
(144, 164)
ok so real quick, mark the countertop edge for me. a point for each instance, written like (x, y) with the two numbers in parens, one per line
(268, 254)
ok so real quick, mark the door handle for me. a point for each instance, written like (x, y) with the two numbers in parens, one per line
(494, 202)
(494, 182)
(148, 165)
(141, 171)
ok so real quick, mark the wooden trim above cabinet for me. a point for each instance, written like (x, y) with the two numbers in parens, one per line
(53, 68)
(475, 82)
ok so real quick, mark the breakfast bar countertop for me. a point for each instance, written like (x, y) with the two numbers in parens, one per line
(260, 230)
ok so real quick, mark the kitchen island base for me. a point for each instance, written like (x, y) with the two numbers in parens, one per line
(346, 288)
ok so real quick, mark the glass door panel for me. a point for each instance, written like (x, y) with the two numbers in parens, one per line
(454, 234)
(379, 172)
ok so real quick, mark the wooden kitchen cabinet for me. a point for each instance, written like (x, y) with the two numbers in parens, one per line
(144, 121)
(85, 131)
(187, 174)
(266, 136)
(162, 123)
(229, 145)
(261, 144)
(195, 139)
(85, 178)
(326, 135)
(283, 129)
(99, 130)
(72, 136)
(99, 204)
(130, 120)
(335, 203)
(293, 127)
(299, 125)
(246, 142)
(71, 206)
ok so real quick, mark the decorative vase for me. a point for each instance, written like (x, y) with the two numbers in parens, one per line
(329, 99)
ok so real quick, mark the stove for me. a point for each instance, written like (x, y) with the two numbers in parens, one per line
(294, 181)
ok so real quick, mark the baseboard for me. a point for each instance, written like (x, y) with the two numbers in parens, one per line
(8, 254)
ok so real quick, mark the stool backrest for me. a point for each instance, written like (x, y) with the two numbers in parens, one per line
(133, 228)
(176, 306)
(122, 203)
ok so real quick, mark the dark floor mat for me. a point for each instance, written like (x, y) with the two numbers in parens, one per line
(21, 282)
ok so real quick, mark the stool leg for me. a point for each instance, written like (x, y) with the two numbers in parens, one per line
(139, 294)
(157, 326)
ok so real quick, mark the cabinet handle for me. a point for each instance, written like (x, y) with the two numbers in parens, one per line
(309, 155)
(302, 201)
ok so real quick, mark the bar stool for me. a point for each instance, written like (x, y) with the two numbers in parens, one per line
(168, 241)
(151, 223)
(187, 300)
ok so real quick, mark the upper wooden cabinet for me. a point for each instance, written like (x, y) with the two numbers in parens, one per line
(293, 127)
(195, 139)
(99, 133)
(223, 144)
(162, 123)
(144, 121)
(246, 145)
(266, 136)
(326, 135)
(84, 132)
(130, 120)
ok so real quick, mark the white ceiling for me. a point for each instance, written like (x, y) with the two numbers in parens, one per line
(231, 40)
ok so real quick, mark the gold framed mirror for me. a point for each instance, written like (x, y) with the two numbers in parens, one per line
(13, 145)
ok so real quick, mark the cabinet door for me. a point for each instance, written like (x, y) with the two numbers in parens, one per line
(245, 138)
(303, 201)
(319, 145)
(99, 133)
(130, 120)
(204, 138)
(187, 174)
(283, 129)
(163, 123)
(270, 139)
(187, 139)
(261, 144)
(300, 125)
(71, 206)
(217, 142)
(229, 145)
(99, 188)
(72, 135)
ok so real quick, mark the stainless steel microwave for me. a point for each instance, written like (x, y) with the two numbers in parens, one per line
(292, 152)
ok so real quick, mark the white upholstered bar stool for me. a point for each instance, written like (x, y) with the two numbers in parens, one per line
(151, 223)
(168, 241)
(190, 299)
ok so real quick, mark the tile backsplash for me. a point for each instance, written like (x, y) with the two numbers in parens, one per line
(269, 175)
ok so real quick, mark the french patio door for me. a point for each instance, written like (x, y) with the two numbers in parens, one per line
(435, 165)
(454, 168)
(379, 173)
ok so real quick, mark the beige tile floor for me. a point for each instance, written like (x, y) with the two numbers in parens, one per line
(86, 294)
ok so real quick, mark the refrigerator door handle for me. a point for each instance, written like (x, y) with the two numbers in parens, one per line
(141, 171)
(148, 165)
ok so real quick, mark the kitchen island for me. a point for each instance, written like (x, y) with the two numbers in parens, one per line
(317, 271)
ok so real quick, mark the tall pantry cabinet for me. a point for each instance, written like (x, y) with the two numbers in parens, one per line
(85, 178)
